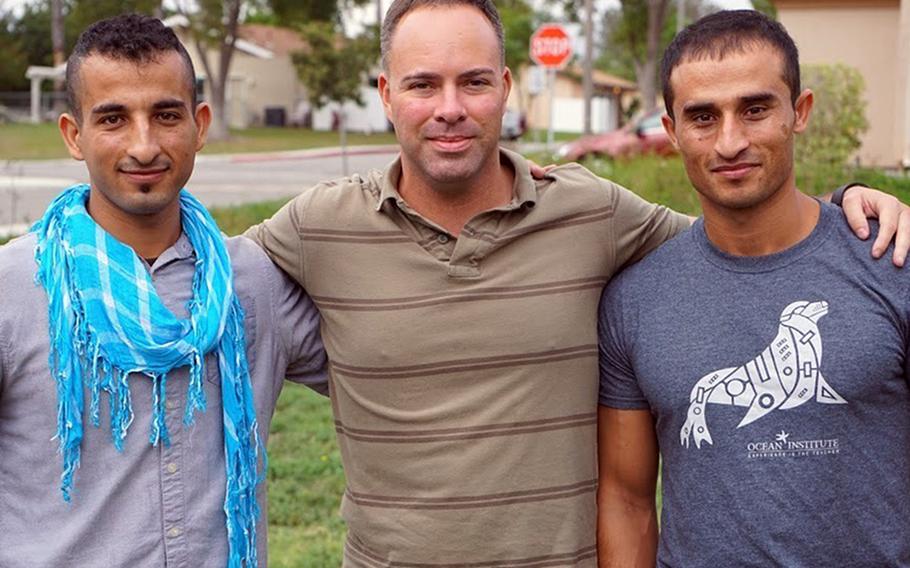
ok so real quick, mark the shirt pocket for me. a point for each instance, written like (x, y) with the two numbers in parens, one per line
(212, 375)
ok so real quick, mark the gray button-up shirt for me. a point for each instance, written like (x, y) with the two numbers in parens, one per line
(149, 506)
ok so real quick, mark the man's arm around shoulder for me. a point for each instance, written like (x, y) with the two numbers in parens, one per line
(627, 513)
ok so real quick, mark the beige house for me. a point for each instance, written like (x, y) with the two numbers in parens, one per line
(262, 74)
(872, 36)
(610, 95)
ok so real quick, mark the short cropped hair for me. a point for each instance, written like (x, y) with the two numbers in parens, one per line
(729, 31)
(130, 37)
(400, 8)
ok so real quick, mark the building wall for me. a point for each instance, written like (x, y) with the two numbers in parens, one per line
(268, 83)
(255, 83)
(902, 88)
(568, 106)
(865, 35)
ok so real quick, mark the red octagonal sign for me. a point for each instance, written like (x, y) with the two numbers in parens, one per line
(551, 46)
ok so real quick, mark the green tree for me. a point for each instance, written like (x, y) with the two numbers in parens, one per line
(838, 119)
(213, 26)
(766, 7)
(518, 22)
(637, 33)
(14, 61)
(29, 35)
(333, 69)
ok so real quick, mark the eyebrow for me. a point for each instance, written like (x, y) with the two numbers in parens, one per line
(427, 75)
(699, 107)
(165, 104)
(695, 108)
(107, 108)
(169, 104)
(757, 98)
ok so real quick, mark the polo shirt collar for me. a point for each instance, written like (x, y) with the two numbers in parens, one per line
(524, 190)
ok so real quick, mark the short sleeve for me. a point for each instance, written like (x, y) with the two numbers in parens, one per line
(279, 237)
(619, 386)
(639, 227)
(299, 323)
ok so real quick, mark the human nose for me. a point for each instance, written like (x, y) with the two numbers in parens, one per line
(450, 108)
(731, 139)
(144, 146)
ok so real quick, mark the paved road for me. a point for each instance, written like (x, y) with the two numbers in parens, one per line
(26, 187)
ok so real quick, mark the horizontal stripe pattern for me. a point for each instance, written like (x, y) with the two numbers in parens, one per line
(442, 298)
(361, 553)
(464, 365)
(474, 501)
(359, 237)
(466, 433)
(597, 215)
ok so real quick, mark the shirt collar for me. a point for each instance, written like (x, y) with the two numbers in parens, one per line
(524, 190)
(180, 250)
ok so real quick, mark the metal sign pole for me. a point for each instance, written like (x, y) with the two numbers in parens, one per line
(552, 78)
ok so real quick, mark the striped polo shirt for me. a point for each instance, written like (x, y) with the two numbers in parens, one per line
(464, 371)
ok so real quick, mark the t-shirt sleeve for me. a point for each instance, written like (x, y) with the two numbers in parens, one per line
(639, 227)
(279, 237)
(299, 322)
(619, 386)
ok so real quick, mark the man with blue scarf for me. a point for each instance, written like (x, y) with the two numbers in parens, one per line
(148, 346)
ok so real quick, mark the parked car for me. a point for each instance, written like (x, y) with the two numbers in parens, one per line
(513, 125)
(645, 135)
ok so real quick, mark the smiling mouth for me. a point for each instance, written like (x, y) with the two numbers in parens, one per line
(145, 176)
(452, 143)
(735, 171)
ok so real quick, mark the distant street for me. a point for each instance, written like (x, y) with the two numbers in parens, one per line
(26, 187)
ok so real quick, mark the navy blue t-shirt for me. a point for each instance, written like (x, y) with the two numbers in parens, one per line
(779, 390)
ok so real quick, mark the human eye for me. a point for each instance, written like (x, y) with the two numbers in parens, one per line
(756, 111)
(110, 120)
(702, 119)
(419, 86)
(169, 116)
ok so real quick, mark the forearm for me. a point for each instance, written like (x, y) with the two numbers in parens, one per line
(626, 530)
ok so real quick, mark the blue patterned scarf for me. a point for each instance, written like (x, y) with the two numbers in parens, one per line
(107, 321)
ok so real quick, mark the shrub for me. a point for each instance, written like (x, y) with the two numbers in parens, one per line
(838, 118)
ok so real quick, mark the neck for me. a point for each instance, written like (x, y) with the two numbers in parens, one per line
(148, 235)
(452, 205)
(776, 224)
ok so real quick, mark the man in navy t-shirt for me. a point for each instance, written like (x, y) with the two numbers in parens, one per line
(761, 355)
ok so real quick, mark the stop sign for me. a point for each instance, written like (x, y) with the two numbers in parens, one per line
(551, 46)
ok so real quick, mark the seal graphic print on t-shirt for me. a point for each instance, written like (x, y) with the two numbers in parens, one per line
(784, 375)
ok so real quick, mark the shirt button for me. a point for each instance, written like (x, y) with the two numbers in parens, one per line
(171, 404)
(173, 532)
(172, 468)
(443, 239)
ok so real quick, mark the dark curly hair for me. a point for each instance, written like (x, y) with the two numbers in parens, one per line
(730, 31)
(131, 37)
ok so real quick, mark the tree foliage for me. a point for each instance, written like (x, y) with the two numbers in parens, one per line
(26, 40)
(518, 22)
(333, 68)
(294, 13)
(766, 7)
(838, 118)
(637, 33)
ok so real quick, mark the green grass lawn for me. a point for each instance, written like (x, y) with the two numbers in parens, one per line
(42, 141)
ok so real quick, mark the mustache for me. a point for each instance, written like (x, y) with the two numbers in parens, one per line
(447, 131)
(134, 166)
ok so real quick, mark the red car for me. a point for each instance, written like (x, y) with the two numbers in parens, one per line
(645, 135)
